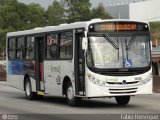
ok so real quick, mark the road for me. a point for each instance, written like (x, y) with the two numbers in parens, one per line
(12, 101)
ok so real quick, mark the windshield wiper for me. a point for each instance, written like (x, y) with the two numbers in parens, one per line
(131, 42)
(126, 47)
(110, 41)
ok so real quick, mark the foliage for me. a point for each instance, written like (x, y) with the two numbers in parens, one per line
(77, 10)
(100, 12)
(155, 29)
(55, 14)
(36, 15)
(3, 37)
(16, 16)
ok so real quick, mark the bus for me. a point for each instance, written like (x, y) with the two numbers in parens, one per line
(90, 59)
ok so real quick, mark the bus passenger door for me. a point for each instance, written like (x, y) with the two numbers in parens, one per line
(79, 63)
(39, 53)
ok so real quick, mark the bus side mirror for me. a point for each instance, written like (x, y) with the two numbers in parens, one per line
(84, 43)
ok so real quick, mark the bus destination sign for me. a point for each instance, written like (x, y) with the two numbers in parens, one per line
(118, 26)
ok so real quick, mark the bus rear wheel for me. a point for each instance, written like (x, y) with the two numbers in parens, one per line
(71, 99)
(122, 100)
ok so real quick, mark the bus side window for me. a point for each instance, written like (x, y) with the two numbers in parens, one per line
(12, 48)
(30, 48)
(20, 50)
(66, 45)
(51, 46)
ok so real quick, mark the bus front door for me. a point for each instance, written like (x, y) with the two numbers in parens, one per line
(39, 53)
(79, 63)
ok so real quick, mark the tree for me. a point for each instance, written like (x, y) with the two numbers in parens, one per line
(3, 33)
(15, 16)
(154, 27)
(5, 2)
(22, 10)
(100, 12)
(9, 15)
(77, 10)
(36, 16)
(55, 14)
(155, 30)
(21, 16)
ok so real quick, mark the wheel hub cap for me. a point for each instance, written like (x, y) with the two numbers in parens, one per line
(28, 89)
(70, 93)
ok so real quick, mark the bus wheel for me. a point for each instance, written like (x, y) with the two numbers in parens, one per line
(122, 100)
(71, 99)
(28, 90)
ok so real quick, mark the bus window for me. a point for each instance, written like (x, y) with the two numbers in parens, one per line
(20, 50)
(66, 45)
(51, 46)
(11, 48)
(30, 48)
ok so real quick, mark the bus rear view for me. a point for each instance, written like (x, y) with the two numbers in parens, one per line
(118, 60)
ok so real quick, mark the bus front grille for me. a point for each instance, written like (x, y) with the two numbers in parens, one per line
(121, 83)
(123, 90)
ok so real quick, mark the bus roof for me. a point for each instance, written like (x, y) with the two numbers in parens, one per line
(65, 26)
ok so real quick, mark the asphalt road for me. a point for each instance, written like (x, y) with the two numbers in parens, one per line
(13, 102)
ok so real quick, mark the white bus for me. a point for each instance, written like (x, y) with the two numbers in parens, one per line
(92, 59)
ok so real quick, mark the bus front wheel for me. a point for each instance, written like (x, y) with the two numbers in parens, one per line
(28, 91)
(122, 100)
(71, 99)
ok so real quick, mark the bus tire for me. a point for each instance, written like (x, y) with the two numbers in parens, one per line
(122, 100)
(28, 90)
(71, 99)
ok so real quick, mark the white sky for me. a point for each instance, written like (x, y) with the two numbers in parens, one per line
(45, 3)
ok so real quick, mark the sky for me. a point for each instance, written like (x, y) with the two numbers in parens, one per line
(46, 3)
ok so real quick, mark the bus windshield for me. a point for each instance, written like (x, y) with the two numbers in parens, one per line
(120, 51)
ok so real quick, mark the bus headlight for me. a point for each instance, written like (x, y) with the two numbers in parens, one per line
(96, 81)
(144, 81)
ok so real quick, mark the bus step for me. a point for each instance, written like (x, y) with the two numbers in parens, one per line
(82, 96)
